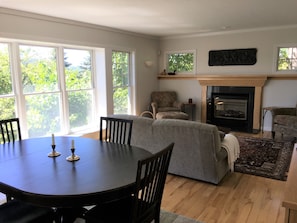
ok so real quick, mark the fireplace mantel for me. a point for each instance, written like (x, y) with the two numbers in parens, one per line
(232, 80)
(239, 80)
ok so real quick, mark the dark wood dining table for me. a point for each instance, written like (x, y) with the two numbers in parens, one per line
(105, 171)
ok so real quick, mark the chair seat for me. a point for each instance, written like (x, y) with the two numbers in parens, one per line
(172, 115)
(19, 212)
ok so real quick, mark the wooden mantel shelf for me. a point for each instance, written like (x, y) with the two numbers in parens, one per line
(227, 80)
(229, 77)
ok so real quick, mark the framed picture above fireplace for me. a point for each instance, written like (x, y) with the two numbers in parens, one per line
(232, 57)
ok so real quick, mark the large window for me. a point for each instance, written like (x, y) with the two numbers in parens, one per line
(54, 85)
(181, 62)
(121, 72)
(287, 59)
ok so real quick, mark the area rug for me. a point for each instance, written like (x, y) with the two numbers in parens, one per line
(169, 217)
(165, 217)
(264, 157)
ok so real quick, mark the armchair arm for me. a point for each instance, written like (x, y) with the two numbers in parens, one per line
(154, 106)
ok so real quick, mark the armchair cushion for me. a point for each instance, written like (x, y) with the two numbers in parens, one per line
(286, 120)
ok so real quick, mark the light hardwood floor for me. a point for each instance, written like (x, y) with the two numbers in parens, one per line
(238, 198)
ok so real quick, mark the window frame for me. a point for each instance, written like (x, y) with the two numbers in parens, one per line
(131, 72)
(19, 94)
(276, 59)
(166, 62)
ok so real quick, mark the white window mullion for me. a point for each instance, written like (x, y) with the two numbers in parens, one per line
(17, 88)
(64, 97)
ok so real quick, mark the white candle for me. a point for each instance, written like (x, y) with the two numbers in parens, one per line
(53, 139)
(72, 143)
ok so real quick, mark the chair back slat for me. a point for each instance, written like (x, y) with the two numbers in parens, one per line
(10, 130)
(116, 130)
(150, 182)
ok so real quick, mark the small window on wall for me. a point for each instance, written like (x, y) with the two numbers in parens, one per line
(182, 62)
(287, 59)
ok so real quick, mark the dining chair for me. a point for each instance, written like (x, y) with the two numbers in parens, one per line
(10, 130)
(116, 130)
(17, 211)
(143, 206)
(14, 210)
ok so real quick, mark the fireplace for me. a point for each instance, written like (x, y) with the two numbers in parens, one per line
(231, 107)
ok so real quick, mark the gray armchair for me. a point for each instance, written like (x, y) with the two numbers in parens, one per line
(165, 101)
(284, 121)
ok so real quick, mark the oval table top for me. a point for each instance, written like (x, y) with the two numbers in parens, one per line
(104, 171)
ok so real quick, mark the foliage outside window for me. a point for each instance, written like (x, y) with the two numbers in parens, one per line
(287, 59)
(121, 82)
(49, 99)
(181, 62)
(78, 79)
(7, 95)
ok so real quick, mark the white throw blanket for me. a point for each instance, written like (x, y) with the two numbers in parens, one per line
(231, 145)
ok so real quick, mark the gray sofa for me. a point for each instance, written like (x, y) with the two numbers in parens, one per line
(197, 152)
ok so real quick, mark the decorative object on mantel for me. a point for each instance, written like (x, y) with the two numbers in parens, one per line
(172, 73)
(232, 57)
(164, 72)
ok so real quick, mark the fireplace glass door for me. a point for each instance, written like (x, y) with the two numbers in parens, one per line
(226, 108)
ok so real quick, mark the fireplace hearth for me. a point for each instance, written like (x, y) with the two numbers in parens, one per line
(231, 107)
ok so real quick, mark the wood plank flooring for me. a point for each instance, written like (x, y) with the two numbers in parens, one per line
(239, 198)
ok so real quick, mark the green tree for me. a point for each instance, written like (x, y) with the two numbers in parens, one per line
(180, 62)
(120, 71)
(7, 104)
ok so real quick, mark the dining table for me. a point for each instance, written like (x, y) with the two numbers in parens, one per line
(100, 172)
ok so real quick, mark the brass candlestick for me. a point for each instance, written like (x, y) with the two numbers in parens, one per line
(54, 153)
(73, 157)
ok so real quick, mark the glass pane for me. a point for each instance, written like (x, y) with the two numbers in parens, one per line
(120, 69)
(120, 76)
(7, 106)
(80, 108)
(121, 101)
(5, 77)
(77, 69)
(43, 114)
(39, 69)
(180, 62)
(287, 58)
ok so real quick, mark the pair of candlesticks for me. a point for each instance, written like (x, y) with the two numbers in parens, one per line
(54, 153)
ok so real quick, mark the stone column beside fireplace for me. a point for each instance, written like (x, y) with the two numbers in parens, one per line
(256, 81)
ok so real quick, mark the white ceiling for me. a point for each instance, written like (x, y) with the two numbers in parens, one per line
(168, 17)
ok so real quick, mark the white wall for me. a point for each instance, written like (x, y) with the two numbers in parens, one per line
(275, 93)
(26, 26)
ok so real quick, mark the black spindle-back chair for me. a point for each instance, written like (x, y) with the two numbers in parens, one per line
(116, 130)
(143, 206)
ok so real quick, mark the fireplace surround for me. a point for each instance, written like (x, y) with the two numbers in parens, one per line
(256, 81)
